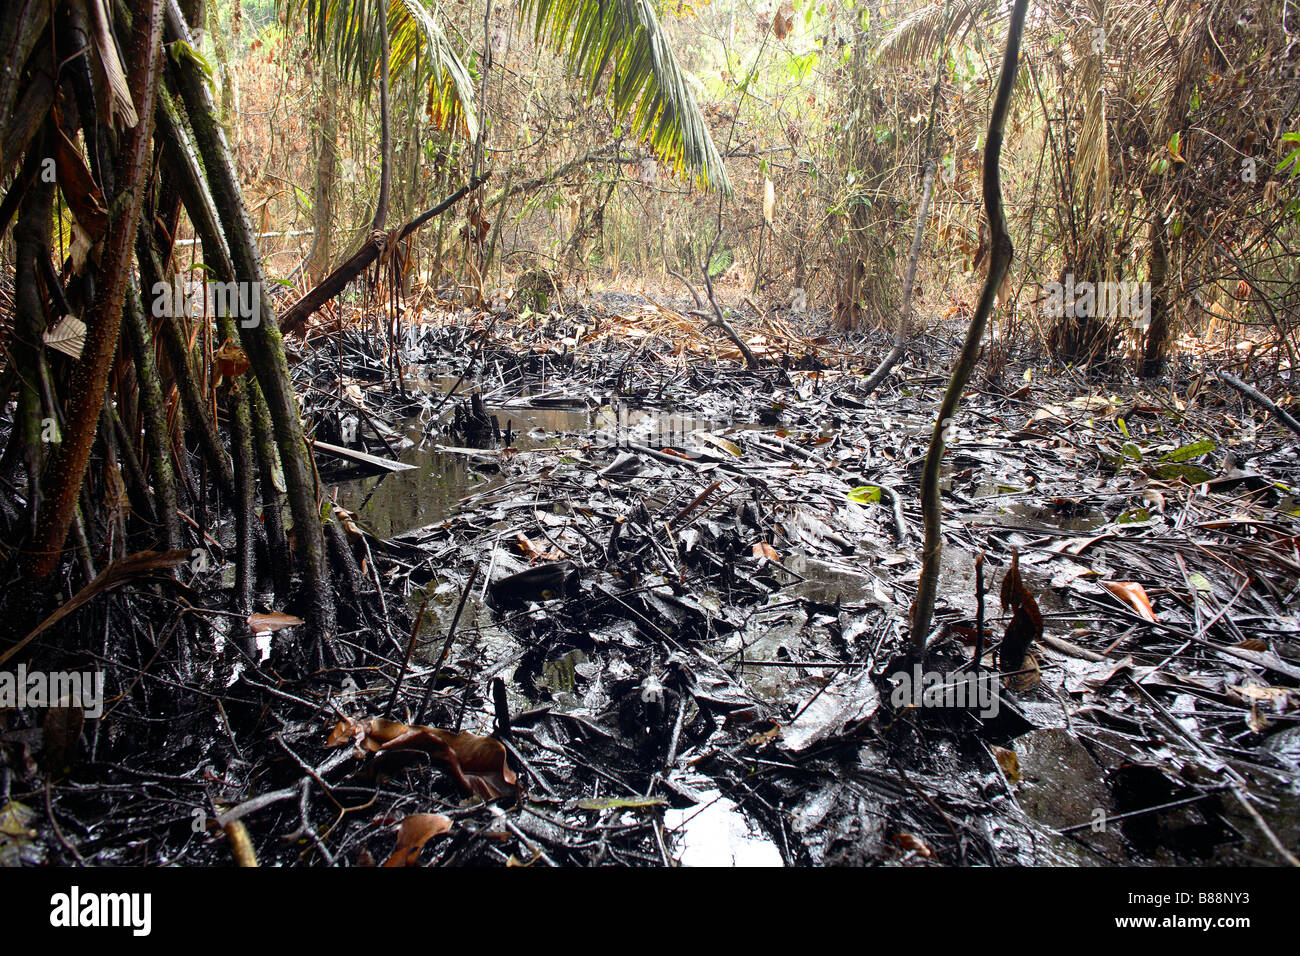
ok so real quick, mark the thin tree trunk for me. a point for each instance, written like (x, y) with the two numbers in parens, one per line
(155, 421)
(322, 254)
(1153, 355)
(193, 404)
(31, 242)
(903, 330)
(1000, 255)
(385, 130)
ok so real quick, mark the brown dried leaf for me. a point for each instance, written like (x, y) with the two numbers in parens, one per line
(79, 189)
(532, 552)
(415, 831)
(68, 336)
(62, 735)
(230, 360)
(116, 574)
(349, 521)
(910, 841)
(1008, 761)
(1026, 625)
(478, 763)
(274, 621)
(1134, 595)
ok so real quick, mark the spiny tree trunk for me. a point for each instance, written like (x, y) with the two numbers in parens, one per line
(31, 242)
(262, 341)
(152, 406)
(104, 317)
(223, 65)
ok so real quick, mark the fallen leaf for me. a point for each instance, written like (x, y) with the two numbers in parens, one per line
(730, 447)
(1008, 761)
(415, 831)
(16, 835)
(1187, 452)
(532, 552)
(1134, 595)
(910, 841)
(764, 550)
(864, 494)
(620, 803)
(478, 763)
(274, 621)
(833, 711)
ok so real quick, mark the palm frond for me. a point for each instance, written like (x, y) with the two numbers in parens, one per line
(347, 30)
(411, 23)
(920, 35)
(625, 39)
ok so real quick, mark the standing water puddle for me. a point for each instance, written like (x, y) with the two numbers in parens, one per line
(389, 504)
(719, 834)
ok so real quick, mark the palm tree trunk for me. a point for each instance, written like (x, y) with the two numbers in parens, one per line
(1158, 322)
(155, 421)
(31, 242)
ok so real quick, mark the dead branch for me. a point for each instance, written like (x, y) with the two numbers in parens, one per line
(295, 317)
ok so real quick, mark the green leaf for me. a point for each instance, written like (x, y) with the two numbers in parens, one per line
(620, 803)
(1195, 450)
(717, 442)
(864, 495)
(1192, 474)
(180, 50)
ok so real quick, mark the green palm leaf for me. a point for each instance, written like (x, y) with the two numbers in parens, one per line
(348, 31)
(645, 82)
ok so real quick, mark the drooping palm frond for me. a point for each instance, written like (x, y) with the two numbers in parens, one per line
(918, 36)
(1092, 150)
(410, 24)
(348, 30)
(625, 38)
